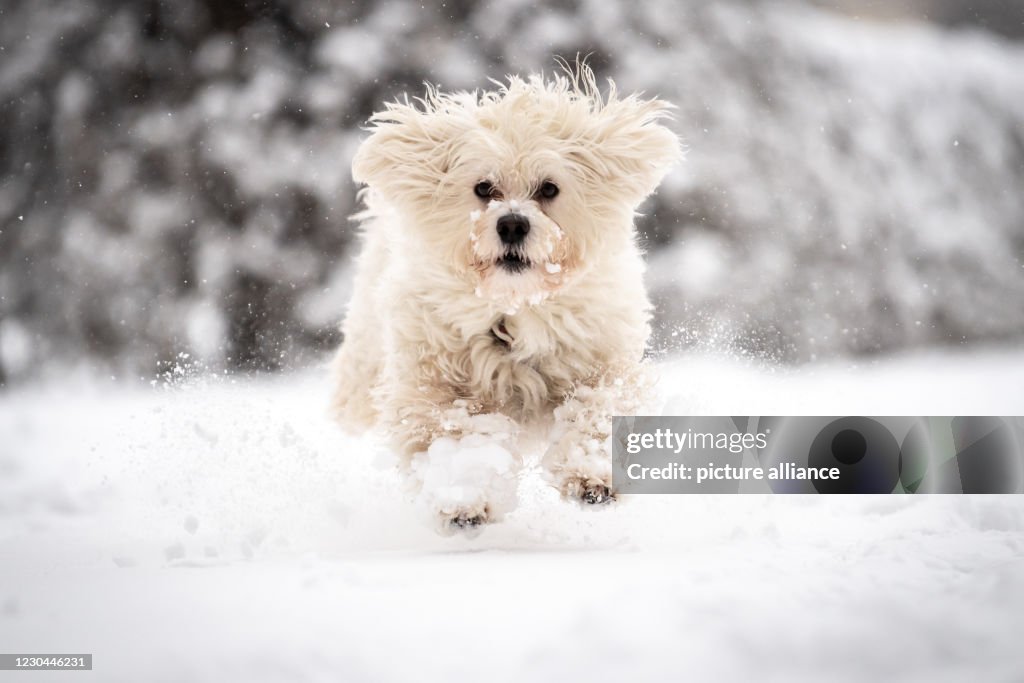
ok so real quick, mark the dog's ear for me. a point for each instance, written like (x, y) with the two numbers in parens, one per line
(628, 147)
(410, 147)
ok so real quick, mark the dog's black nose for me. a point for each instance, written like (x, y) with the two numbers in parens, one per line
(513, 228)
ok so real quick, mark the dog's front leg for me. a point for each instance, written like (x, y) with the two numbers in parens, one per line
(578, 461)
(461, 463)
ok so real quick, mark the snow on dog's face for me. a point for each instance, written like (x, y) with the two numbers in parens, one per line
(518, 190)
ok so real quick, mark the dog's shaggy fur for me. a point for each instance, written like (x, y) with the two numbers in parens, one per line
(450, 321)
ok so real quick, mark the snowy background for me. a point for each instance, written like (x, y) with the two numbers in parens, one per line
(174, 176)
(845, 237)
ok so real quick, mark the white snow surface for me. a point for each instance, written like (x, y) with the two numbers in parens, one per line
(225, 530)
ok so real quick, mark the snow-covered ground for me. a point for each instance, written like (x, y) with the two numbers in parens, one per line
(224, 530)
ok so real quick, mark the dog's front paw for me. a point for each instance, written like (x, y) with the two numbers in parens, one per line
(597, 495)
(581, 469)
(587, 490)
(468, 482)
(466, 521)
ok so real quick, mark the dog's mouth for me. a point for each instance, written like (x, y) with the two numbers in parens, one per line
(513, 262)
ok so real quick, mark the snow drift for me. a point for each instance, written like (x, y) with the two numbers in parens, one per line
(226, 530)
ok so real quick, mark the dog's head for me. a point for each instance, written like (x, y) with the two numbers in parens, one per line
(521, 189)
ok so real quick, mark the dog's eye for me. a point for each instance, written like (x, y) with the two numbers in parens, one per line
(548, 190)
(483, 190)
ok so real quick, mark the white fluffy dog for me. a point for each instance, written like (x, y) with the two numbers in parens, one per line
(500, 285)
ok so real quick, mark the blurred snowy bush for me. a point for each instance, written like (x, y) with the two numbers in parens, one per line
(174, 175)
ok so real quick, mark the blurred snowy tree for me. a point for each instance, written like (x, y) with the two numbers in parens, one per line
(174, 175)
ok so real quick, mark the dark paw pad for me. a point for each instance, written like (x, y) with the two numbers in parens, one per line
(597, 495)
(467, 521)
